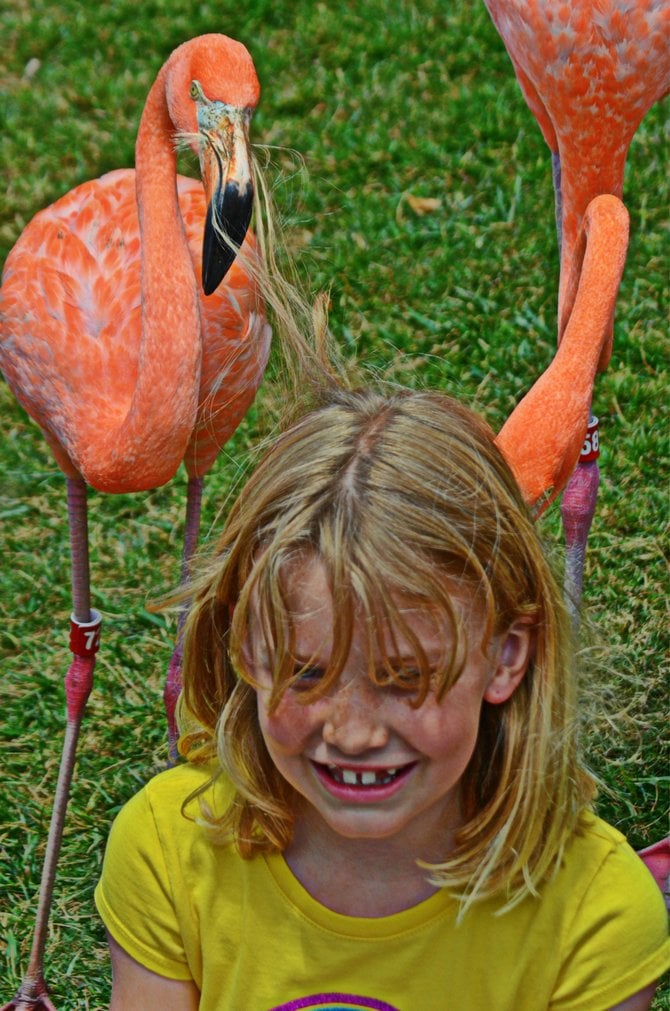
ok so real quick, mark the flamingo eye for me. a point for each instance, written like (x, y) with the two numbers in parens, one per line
(195, 90)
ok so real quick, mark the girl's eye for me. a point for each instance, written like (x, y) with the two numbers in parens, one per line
(306, 677)
(405, 679)
(408, 678)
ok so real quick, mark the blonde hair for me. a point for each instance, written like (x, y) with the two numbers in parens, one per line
(399, 496)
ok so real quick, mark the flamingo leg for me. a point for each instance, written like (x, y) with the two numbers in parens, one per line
(578, 502)
(84, 642)
(558, 199)
(578, 506)
(173, 680)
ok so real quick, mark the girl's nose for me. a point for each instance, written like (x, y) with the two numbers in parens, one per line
(354, 721)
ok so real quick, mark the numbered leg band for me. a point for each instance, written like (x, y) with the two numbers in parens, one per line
(85, 635)
(591, 448)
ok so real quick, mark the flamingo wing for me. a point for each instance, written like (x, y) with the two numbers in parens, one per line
(71, 313)
(72, 321)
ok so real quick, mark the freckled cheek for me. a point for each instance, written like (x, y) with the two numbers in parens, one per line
(450, 735)
(289, 726)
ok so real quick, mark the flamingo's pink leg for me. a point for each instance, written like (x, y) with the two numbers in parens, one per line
(173, 680)
(558, 200)
(84, 642)
(578, 506)
(578, 502)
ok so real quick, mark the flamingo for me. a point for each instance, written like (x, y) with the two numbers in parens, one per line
(589, 73)
(108, 345)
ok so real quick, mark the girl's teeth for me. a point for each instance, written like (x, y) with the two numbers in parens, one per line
(367, 777)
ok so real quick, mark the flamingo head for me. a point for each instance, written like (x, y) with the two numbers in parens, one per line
(212, 90)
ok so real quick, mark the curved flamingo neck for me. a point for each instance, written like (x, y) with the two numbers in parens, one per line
(163, 408)
(599, 255)
(582, 179)
(543, 436)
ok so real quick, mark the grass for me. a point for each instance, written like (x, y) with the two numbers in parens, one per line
(423, 105)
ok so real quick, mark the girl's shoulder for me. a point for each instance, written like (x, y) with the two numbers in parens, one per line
(593, 835)
(598, 853)
(186, 778)
(601, 875)
(609, 919)
(179, 796)
(598, 846)
(160, 866)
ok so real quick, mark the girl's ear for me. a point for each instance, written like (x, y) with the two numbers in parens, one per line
(513, 656)
(247, 651)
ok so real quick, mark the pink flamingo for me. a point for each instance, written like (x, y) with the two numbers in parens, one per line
(109, 347)
(589, 73)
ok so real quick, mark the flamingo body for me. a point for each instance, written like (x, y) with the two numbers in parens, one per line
(589, 73)
(72, 340)
(106, 339)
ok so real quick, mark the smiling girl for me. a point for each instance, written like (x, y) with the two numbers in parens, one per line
(383, 804)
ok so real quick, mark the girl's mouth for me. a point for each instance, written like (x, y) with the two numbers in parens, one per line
(349, 783)
(362, 777)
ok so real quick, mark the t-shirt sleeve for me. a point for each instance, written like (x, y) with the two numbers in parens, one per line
(617, 939)
(134, 895)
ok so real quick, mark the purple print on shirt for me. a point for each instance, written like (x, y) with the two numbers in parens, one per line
(335, 1002)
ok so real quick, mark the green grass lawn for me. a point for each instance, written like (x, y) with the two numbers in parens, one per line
(389, 104)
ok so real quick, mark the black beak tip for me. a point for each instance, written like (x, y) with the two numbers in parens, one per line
(232, 210)
(215, 265)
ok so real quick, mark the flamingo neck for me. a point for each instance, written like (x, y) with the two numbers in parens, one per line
(597, 259)
(582, 179)
(162, 412)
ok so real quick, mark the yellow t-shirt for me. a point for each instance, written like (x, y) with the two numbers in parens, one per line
(253, 939)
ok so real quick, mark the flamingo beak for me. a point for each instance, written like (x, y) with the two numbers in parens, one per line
(225, 166)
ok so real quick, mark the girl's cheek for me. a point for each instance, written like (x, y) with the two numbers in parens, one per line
(290, 723)
(445, 726)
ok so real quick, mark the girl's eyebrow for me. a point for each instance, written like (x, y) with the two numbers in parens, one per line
(401, 658)
(309, 660)
(431, 657)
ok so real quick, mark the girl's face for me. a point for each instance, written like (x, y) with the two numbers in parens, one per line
(368, 764)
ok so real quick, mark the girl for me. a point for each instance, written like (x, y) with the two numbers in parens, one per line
(383, 805)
